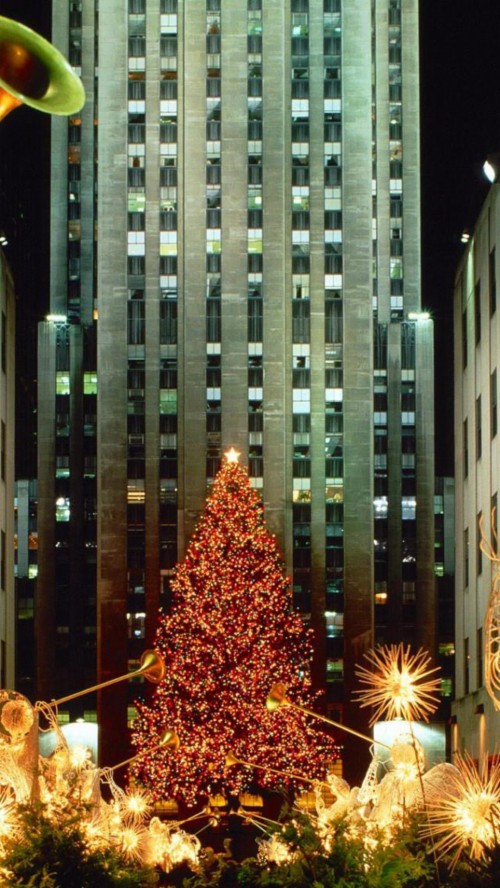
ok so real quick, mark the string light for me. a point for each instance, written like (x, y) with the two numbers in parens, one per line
(230, 632)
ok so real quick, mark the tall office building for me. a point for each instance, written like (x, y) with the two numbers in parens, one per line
(7, 389)
(235, 261)
(477, 464)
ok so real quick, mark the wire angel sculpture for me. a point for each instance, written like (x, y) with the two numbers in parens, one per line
(492, 616)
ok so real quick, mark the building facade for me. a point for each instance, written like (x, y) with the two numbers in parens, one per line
(25, 576)
(235, 261)
(477, 468)
(7, 411)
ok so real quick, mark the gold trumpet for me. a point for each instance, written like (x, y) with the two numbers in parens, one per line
(169, 740)
(232, 760)
(152, 667)
(277, 697)
(33, 72)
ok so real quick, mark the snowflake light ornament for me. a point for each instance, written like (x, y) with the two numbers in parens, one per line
(398, 685)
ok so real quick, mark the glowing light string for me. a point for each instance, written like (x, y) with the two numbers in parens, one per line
(492, 616)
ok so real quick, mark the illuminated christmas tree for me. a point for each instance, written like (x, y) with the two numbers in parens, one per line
(231, 633)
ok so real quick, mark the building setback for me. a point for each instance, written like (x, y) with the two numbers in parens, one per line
(235, 261)
(477, 478)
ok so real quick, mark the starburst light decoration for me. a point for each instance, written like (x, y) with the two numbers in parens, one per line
(466, 817)
(399, 684)
(8, 819)
(274, 850)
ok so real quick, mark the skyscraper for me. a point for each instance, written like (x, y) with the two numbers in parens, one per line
(235, 261)
(7, 389)
(476, 319)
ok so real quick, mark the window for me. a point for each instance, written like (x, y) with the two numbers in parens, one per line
(477, 311)
(62, 509)
(466, 665)
(136, 312)
(479, 436)
(492, 282)
(3, 343)
(62, 382)
(493, 404)
(466, 557)
(333, 320)
(447, 687)
(3, 446)
(494, 521)
(213, 318)
(334, 670)
(90, 383)
(479, 551)
(255, 320)
(479, 658)
(168, 322)
(168, 401)
(465, 435)
(464, 340)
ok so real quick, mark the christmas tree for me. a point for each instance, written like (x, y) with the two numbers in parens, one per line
(230, 634)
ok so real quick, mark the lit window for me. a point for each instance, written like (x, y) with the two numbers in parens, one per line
(334, 670)
(62, 382)
(408, 508)
(136, 624)
(136, 200)
(380, 505)
(135, 490)
(381, 597)
(334, 493)
(90, 383)
(168, 401)
(168, 23)
(168, 243)
(62, 509)
(446, 687)
(214, 240)
(334, 624)
(447, 649)
(255, 240)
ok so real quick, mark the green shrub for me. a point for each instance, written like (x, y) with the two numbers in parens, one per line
(404, 863)
(50, 855)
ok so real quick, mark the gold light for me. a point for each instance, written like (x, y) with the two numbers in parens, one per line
(232, 455)
(400, 686)
(467, 816)
(137, 804)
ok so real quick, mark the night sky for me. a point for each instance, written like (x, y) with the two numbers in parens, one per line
(460, 121)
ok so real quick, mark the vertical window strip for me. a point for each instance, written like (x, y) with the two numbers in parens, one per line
(333, 308)
(213, 229)
(255, 281)
(396, 158)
